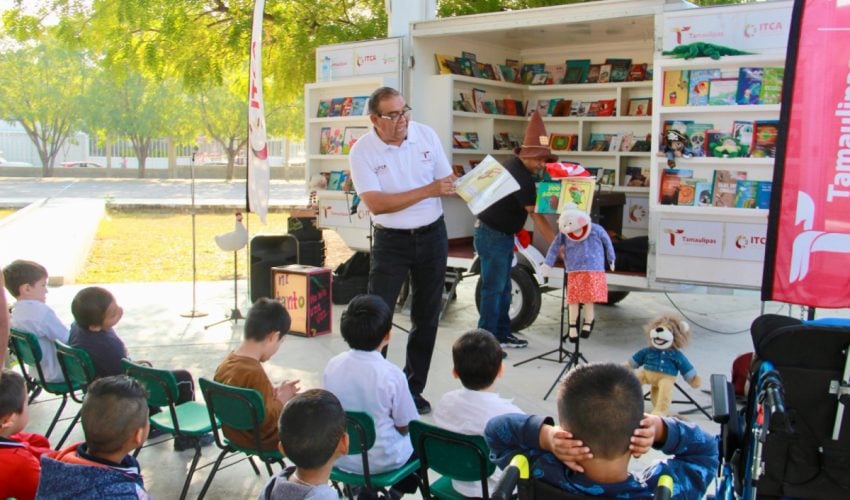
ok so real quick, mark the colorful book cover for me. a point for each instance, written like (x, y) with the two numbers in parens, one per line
(640, 106)
(324, 107)
(746, 193)
(771, 86)
(548, 197)
(557, 72)
(675, 88)
(702, 195)
(350, 137)
(562, 107)
(346, 106)
(593, 109)
(606, 107)
(696, 136)
(637, 73)
(478, 99)
(582, 66)
(699, 81)
(742, 131)
(345, 183)
(472, 137)
(443, 67)
(530, 70)
(763, 196)
(487, 183)
(599, 142)
(765, 134)
(574, 75)
(749, 85)
(593, 73)
(578, 190)
(680, 126)
(608, 177)
(635, 177)
(628, 141)
(334, 180)
(722, 91)
(324, 140)
(508, 73)
(724, 187)
(559, 142)
(671, 179)
(719, 143)
(358, 105)
(687, 192)
(336, 106)
(619, 69)
(604, 73)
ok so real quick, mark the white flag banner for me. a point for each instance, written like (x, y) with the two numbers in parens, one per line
(258, 148)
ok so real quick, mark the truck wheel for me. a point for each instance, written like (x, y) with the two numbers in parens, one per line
(615, 297)
(525, 298)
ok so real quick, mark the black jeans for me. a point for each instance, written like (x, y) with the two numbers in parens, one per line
(423, 255)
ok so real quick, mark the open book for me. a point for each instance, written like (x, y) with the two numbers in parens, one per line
(485, 184)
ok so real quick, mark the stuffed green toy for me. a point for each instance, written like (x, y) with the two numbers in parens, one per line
(703, 49)
(727, 147)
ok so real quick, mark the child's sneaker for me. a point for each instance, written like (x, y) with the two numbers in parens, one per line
(512, 341)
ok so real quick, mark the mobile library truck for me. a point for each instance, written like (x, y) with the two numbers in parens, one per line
(612, 79)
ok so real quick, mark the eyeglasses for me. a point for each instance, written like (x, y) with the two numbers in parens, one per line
(394, 117)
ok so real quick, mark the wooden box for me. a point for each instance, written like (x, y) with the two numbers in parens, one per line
(305, 291)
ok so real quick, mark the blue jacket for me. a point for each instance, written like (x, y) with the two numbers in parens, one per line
(74, 474)
(692, 469)
(591, 254)
(667, 361)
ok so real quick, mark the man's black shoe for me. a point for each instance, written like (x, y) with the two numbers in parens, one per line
(422, 404)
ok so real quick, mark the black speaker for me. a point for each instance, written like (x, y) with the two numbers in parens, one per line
(311, 253)
(268, 251)
(304, 228)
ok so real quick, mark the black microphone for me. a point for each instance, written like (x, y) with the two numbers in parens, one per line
(664, 490)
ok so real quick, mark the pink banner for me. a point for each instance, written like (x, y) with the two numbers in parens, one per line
(808, 254)
(258, 148)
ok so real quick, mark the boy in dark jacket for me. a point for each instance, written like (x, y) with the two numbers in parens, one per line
(115, 422)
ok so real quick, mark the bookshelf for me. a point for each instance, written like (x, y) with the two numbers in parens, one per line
(715, 243)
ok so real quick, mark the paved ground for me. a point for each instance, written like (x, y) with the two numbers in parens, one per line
(154, 329)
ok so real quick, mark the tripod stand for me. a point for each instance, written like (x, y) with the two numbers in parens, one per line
(235, 313)
(573, 358)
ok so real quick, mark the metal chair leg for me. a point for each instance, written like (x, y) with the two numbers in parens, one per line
(56, 416)
(269, 468)
(191, 472)
(254, 465)
(68, 430)
(216, 465)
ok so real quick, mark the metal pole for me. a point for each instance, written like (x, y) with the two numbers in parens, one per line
(194, 312)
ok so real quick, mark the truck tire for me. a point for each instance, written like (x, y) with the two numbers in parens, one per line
(615, 297)
(525, 298)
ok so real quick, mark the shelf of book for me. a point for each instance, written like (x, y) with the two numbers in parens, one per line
(743, 213)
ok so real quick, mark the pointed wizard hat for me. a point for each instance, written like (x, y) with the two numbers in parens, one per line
(536, 141)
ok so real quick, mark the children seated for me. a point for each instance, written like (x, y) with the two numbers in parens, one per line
(364, 381)
(601, 405)
(265, 326)
(27, 282)
(477, 358)
(312, 436)
(115, 421)
(95, 315)
(19, 451)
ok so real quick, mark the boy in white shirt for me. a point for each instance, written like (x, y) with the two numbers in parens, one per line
(27, 282)
(477, 358)
(364, 381)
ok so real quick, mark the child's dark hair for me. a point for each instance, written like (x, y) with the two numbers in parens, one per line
(310, 427)
(89, 306)
(477, 358)
(12, 395)
(601, 404)
(365, 322)
(266, 316)
(20, 273)
(115, 407)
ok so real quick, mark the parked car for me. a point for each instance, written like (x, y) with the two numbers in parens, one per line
(81, 164)
(5, 163)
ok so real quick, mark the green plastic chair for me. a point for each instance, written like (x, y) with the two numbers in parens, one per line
(78, 371)
(28, 351)
(189, 419)
(453, 456)
(242, 409)
(361, 438)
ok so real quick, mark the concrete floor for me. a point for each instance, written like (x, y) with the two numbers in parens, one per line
(154, 329)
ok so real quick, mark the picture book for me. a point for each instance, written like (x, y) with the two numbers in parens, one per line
(627, 141)
(687, 192)
(604, 73)
(635, 177)
(675, 88)
(557, 72)
(746, 193)
(584, 108)
(607, 107)
(722, 91)
(336, 139)
(559, 142)
(442, 64)
(765, 134)
(702, 194)
(336, 106)
(485, 184)
(490, 107)
(529, 70)
(582, 66)
(698, 84)
(637, 73)
(359, 105)
(578, 190)
(641, 146)
(763, 195)
(345, 182)
(460, 141)
(742, 131)
(640, 106)
(771, 85)
(599, 142)
(721, 144)
(346, 106)
(548, 197)
(352, 134)
(334, 180)
(324, 140)
(619, 69)
(562, 107)
(616, 141)
(671, 179)
(467, 102)
(680, 126)
(749, 85)
(608, 177)
(696, 136)
(542, 107)
(465, 66)
(574, 75)
(478, 70)
(517, 69)
(593, 109)
(324, 107)
(469, 55)
(478, 100)
(490, 73)
(724, 187)
(508, 73)
(541, 78)
(472, 138)
(593, 73)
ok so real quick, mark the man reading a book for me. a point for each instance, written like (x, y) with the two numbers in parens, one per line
(495, 229)
(400, 171)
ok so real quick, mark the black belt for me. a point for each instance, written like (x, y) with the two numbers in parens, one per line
(413, 231)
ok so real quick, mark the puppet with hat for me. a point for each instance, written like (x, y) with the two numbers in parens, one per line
(588, 251)
(496, 226)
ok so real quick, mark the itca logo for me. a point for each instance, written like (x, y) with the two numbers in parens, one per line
(741, 241)
(751, 30)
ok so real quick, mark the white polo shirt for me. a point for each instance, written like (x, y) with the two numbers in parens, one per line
(419, 160)
(365, 381)
(38, 318)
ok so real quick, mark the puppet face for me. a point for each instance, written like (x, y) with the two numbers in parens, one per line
(574, 223)
(661, 338)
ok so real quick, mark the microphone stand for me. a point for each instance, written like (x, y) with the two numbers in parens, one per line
(194, 312)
